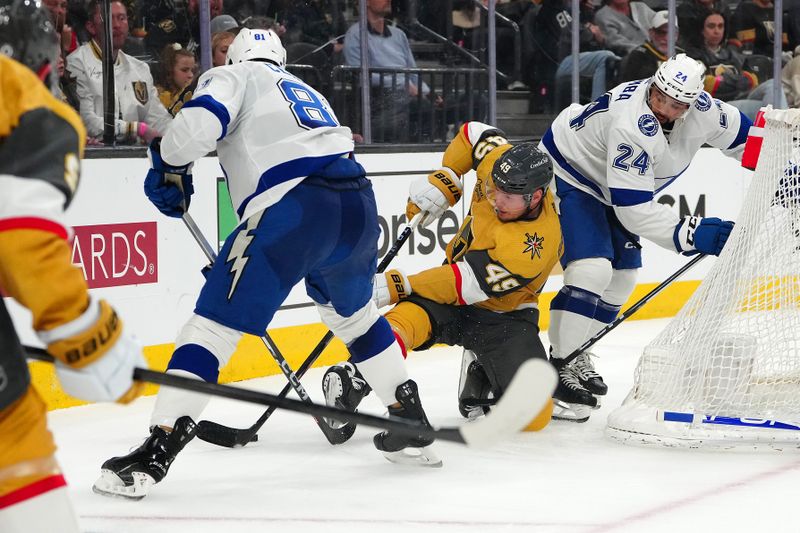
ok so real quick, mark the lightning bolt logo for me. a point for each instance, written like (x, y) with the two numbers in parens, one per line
(236, 256)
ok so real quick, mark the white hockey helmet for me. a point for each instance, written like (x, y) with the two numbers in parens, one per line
(681, 78)
(257, 44)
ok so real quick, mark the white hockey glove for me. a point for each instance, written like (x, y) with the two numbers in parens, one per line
(705, 235)
(433, 195)
(390, 287)
(95, 358)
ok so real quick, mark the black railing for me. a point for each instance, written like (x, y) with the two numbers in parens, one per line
(410, 105)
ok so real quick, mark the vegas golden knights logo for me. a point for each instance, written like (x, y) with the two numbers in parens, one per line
(140, 91)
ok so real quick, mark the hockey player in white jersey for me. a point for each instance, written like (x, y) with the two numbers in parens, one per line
(611, 157)
(307, 211)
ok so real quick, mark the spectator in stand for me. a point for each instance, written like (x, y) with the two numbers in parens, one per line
(58, 14)
(593, 61)
(468, 32)
(643, 61)
(625, 24)
(314, 22)
(140, 115)
(222, 23)
(178, 67)
(220, 42)
(752, 24)
(76, 19)
(65, 90)
(790, 78)
(392, 96)
(691, 14)
(727, 77)
(169, 22)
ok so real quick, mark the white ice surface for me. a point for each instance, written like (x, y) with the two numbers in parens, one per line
(568, 477)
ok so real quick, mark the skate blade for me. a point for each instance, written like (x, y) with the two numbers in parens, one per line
(599, 402)
(424, 456)
(110, 484)
(570, 412)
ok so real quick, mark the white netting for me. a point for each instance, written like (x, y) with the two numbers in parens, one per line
(726, 370)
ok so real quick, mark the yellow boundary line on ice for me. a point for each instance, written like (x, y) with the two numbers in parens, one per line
(252, 361)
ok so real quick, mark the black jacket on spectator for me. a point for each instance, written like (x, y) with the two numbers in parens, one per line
(726, 77)
(549, 33)
(751, 25)
(166, 23)
(311, 22)
(642, 62)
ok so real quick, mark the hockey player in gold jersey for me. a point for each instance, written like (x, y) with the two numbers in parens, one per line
(41, 142)
(485, 296)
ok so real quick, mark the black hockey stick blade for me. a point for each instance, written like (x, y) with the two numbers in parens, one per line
(230, 437)
(223, 435)
(529, 391)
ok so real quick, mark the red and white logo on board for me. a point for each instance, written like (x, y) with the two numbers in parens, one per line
(112, 255)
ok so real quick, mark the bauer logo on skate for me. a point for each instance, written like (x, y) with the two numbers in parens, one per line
(112, 255)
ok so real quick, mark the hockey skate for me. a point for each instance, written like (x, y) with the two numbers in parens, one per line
(131, 476)
(403, 449)
(344, 387)
(571, 401)
(588, 376)
(474, 389)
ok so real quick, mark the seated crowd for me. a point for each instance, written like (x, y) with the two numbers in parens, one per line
(155, 44)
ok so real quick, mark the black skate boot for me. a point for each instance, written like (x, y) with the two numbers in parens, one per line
(588, 376)
(399, 448)
(474, 389)
(571, 401)
(131, 476)
(344, 387)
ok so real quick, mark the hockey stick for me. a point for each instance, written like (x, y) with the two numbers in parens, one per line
(229, 437)
(630, 311)
(334, 436)
(525, 397)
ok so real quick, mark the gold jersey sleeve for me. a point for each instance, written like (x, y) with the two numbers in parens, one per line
(41, 143)
(469, 148)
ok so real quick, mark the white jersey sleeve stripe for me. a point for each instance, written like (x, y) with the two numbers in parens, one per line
(217, 109)
(469, 290)
(549, 144)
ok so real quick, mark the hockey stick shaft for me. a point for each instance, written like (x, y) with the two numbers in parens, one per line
(526, 395)
(222, 435)
(294, 381)
(630, 311)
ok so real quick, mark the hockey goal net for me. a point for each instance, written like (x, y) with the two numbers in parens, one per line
(725, 372)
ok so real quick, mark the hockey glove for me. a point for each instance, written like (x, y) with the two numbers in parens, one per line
(168, 187)
(95, 358)
(703, 235)
(433, 195)
(390, 287)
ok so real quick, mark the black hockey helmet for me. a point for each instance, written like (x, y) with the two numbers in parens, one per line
(27, 34)
(522, 170)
